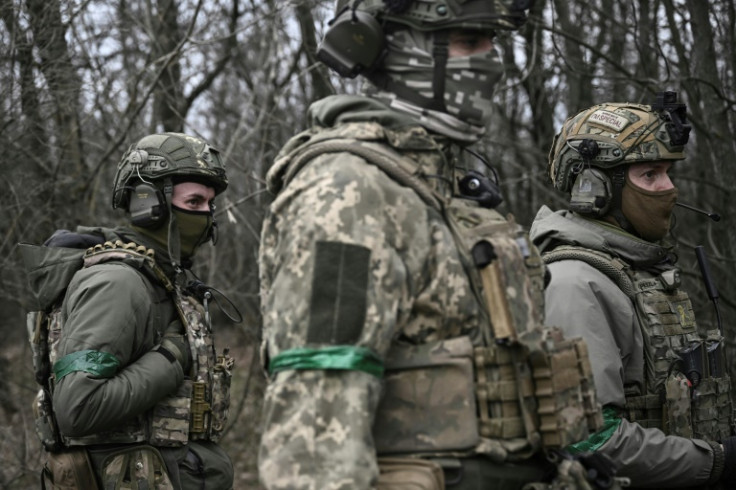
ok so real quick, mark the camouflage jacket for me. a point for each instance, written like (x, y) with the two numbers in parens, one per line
(606, 317)
(351, 257)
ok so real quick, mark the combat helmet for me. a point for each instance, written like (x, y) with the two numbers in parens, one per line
(354, 42)
(150, 167)
(373, 38)
(589, 154)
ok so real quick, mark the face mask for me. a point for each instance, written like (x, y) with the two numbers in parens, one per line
(194, 229)
(649, 212)
(469, 80)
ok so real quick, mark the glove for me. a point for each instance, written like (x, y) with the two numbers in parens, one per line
(729, 467)
(175, 343)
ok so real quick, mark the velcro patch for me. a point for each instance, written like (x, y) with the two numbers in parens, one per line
(608, 120)
(339, 288)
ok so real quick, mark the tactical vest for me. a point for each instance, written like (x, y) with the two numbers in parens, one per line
(525, 388)
(199, 408)
(686, 387)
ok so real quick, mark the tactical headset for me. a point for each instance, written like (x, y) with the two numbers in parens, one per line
(353, 44)
(144, 201)
(592, 191)
(147, 206)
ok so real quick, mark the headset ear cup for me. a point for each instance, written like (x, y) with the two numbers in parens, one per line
(353, 44)
(591, 193)
(147, 206)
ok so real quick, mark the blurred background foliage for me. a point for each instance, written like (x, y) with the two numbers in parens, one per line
(82, 79)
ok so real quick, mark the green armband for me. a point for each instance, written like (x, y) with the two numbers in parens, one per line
(611, 421)
(343, 357)
(97, 363)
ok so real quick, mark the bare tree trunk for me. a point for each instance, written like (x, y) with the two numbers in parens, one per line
(319, 75)
(168, 94)
(63, 81)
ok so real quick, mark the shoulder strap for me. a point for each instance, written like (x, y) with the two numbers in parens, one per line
(391, 162)
(614, 268)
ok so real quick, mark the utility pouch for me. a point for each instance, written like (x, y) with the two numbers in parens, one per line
(563, 378)
(711, 403)
(36, 325)
(711, 409)
(46, 428)
(170, 418)
(221, 378)
(69, 469)
(677, 407)
(409, 474)
(429, 399)
(135, 468)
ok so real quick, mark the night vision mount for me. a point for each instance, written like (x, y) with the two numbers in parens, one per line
(677, 126)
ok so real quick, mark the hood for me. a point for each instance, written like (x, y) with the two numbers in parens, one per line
(354, 117)
(50, 267)
(551, 229)
(342, 109)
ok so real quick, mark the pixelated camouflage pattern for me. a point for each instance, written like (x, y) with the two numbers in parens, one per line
(136, 469)
(424, 384)
(417, 290)
(625, 133)
(469, 80)
(317, 424)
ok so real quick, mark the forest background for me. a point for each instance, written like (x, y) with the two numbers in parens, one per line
(80, 80)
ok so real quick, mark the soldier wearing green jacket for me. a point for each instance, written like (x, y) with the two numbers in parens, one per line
(136, 396)
(614, 281)
(402, 313)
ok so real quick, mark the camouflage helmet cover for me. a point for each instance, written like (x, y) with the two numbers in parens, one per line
(431, 15)
(624, 133)
(174, 155)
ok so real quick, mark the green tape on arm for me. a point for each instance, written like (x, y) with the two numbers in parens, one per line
(611, 421)
(344, 357)
(97, 363)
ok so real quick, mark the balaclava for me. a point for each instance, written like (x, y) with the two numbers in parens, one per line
(469, 85)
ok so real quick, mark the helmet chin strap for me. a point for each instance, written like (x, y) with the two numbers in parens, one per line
(618, 178)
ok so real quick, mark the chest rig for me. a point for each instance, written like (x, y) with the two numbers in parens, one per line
(685, 389)
(199, 408)
(518, 387)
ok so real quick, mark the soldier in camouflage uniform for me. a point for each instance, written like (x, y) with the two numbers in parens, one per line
(397, 357)
(659, 375)
(134, 395)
